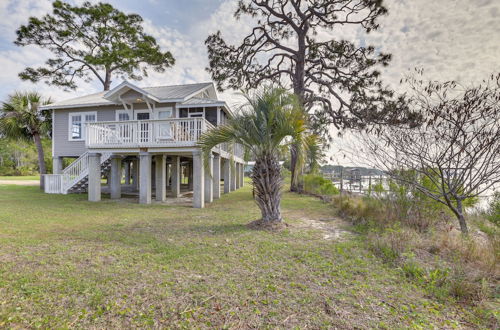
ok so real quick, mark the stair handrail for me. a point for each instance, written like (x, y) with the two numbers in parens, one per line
(77, 170)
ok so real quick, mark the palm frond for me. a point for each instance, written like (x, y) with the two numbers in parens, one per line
(20, 116)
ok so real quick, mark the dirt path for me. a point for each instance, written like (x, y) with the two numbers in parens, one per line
(20, 182)
(332, 228)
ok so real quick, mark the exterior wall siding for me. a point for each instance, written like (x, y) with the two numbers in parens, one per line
(63, 147)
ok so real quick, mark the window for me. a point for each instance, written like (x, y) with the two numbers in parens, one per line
(77, 121)
(196, 113)
(142, 115)
(164, 113)
(122, 115)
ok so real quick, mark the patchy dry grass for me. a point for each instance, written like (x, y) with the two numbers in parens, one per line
(432, 252)
(65, 262)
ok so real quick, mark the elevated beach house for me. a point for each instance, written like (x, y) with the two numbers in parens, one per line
(143, 141)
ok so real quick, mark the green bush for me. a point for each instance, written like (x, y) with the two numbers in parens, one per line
(316, 184)
(494, 209)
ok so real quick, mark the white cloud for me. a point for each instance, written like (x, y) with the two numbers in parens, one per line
(451, 40)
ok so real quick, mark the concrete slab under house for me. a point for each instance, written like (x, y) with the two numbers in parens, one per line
(143, 141)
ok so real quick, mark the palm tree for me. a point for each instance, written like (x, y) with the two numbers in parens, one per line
(20, 119)
(270, 118)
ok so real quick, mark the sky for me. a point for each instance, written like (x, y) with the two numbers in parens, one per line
(450, 39)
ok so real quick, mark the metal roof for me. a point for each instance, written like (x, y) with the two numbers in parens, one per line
(172, 93)
(176, 91)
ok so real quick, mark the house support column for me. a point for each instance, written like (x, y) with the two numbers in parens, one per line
(198, 180)
(233, 175)
(94, 182)
(176, 176)
(242, 174)
(135, 173)
(145, 178)
(190, 175)
(167, 173)
(227, 176)
(115, 185)
(161, 178)
(216, 176)
(126, 166)
(237, 170)
(209, 179)
(57, 165)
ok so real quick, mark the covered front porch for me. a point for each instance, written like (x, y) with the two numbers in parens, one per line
(159, 176)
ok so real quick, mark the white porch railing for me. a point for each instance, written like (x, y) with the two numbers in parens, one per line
(53, 183)
(236, 149)
(71, 175)
(146, 133)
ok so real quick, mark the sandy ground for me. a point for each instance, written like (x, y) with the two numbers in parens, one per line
(21, 182)
(333, 229)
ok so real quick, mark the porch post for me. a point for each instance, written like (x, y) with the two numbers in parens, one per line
(216, 176)
(167, 173)
(242, 174)
(116, 177)
(233, 175)
(227, 176)
(57, 165)
(135, 173)
(176, 173)
(94, 182)
(145, 178)
(209, 179)
(237, 170)
(190, 175)
(161, 175)
(198, 180)
(126, 165)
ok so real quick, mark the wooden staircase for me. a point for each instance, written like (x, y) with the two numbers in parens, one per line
(74, 178)
(82, 185)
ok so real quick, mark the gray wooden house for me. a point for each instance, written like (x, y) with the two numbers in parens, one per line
(144, 141)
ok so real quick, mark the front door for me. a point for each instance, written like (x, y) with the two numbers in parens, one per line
(144, 126)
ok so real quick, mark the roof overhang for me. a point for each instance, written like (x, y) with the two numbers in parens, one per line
(72, 106)
(113, 97)
(201, 105)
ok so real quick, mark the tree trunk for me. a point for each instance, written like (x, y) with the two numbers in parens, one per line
(267, 183)
(299, 90)
(461, 218)
(41, 159)
(107, 81)
(293, 168)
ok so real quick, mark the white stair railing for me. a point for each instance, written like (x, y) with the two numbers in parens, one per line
(71, 175)
(79, 169)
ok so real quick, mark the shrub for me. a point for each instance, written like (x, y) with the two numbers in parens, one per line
(316, 184)
(494, 209)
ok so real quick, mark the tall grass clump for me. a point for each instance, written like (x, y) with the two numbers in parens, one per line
(418, 236)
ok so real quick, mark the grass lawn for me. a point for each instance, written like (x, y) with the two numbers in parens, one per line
(26, 177)
(65, 262)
